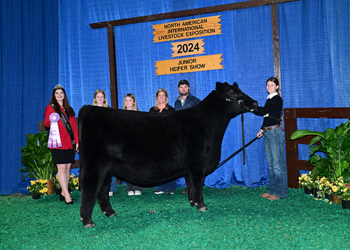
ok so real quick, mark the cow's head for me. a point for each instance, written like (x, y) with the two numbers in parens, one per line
(233, 95)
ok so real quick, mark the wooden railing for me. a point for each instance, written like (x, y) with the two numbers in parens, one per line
(290, 123)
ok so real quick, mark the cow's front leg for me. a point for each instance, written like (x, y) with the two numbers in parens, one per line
(195, 193)
(190, 188)
(198, 197)
(103, 197)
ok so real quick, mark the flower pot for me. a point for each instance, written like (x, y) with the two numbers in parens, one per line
(58, 191)
(36, 196)
(329, 197)
(336, 200)
(309, 190)
(316, 194)
(50, 186)
(345, 204)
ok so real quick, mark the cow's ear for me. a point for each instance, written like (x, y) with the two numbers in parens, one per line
(235, 84)
(219, 85)
(220, 89)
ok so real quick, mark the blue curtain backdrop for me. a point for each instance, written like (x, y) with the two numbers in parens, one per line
(28, 71)
(48, 42)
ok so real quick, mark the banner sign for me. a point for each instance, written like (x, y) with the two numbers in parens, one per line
(205, 26)
(189, 64)
(187, 48)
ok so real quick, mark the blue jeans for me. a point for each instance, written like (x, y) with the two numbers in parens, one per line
(170, 186)
(130, 187)
(113, 187)
(278, 179)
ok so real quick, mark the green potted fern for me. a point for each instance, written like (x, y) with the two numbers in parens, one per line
(335, 144)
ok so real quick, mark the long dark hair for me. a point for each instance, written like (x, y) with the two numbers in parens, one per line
(275, 80)
(68, 109)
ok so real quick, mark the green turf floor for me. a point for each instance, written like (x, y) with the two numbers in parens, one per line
(237, 218)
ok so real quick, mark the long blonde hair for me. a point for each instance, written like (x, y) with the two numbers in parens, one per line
(166, 99)
(105, 103)
(134, 107)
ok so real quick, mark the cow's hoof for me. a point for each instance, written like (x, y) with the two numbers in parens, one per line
(202, 209)
(90, 225)
(110, 214)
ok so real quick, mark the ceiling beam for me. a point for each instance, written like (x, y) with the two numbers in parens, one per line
(191, 12)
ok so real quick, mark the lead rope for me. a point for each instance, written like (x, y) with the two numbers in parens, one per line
(243, 139)
(235, 153)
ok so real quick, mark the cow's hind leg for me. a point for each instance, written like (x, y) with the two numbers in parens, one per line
(92, 179)
(86, 206)
(103, 197)
(89, 181)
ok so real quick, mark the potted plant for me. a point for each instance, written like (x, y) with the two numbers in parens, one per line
(37, 188)
(56, 185)
(317, 185)
(73, 182)
(306, 182)
(342, 192)
(325, 188)
(37, 159)
(335, 144)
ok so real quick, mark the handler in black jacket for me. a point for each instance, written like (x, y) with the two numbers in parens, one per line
(273, 141)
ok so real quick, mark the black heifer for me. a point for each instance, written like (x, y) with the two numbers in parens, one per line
(148, 149)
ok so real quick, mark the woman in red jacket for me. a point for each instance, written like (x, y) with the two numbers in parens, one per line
(63, 154)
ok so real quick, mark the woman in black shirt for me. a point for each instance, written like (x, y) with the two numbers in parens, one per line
(273, 141)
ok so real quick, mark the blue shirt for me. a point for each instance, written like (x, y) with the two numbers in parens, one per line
(189, 102)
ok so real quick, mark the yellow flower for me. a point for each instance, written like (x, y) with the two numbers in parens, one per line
(43, 181)
(335, 188)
